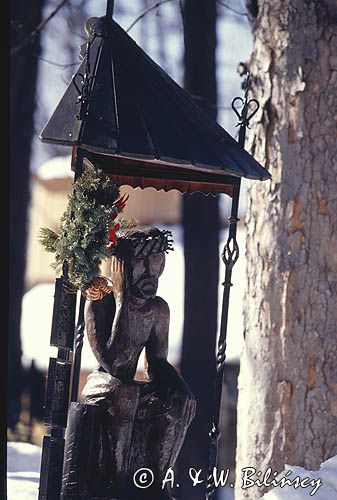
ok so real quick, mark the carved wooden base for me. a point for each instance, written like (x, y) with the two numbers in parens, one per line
(107, 443)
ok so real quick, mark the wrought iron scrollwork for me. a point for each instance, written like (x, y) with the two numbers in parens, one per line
(214, 435)
(84, 83)
(221, 357)
(242, 112)
(231, 252)
(244, 117)
(78, 344)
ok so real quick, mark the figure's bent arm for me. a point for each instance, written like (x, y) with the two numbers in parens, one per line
(159, 369)
(103, 317)
(99, 316)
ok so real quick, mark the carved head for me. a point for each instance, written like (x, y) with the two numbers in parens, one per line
(143, 251)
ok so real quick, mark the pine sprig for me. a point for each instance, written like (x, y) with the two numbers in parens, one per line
(48, 238)
(84, 227)
(127, 223)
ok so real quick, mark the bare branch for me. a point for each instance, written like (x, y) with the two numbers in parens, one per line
(181, 8)
(231, 9)
(37, 30)
(58, 65)
(196, 97)
(146, 11)
(79, 35)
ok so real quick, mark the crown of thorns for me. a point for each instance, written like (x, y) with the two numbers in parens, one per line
(139, 243)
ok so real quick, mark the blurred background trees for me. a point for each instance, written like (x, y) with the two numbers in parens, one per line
(25, 17)
(200, 218)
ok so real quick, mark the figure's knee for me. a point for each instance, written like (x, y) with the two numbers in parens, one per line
(98, 388)
(125, 401)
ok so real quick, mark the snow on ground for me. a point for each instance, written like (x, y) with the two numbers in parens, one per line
(321, 484)
(23, 466)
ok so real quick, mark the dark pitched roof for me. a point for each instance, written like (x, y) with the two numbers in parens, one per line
(135, 110)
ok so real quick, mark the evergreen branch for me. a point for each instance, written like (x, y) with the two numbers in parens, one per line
(85, 226)
(127, 223)
(48, 238)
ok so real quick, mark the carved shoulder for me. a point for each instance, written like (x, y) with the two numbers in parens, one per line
(161, 307)
(161, 322)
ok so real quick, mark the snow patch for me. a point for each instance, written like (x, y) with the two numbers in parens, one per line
(23, 466)
(327, 491)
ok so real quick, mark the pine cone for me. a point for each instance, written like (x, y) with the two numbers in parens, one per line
(98, 288)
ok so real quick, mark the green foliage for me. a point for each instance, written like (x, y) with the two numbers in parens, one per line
(85, 227)
(48, 239)
(125, 223)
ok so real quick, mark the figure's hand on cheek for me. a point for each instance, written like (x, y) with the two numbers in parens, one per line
(117, 279)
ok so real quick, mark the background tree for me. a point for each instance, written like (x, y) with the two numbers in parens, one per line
(201, 240)
(287, 411)
(25, 16)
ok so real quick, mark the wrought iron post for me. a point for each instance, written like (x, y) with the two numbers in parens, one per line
(78, 341)
(110, 8)
(230, 256)
(78, 344)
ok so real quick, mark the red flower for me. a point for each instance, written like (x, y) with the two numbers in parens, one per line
(121, 203)
(113, 237)
(110, 246)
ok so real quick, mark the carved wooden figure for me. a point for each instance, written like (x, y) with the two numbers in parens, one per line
(121, 425)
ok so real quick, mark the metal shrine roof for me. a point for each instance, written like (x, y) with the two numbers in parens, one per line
(123, 109)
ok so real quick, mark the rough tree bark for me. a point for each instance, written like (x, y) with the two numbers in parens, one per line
(25, 16)
(287, 410)
(201, 240)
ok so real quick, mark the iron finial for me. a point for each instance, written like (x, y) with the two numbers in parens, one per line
(110, 8)
(241, 110)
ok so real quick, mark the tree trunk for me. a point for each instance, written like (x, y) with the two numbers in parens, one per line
(287, 410)
(201, 233)
(25, 16)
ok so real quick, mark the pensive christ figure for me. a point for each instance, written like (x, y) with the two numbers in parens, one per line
(122, 425)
